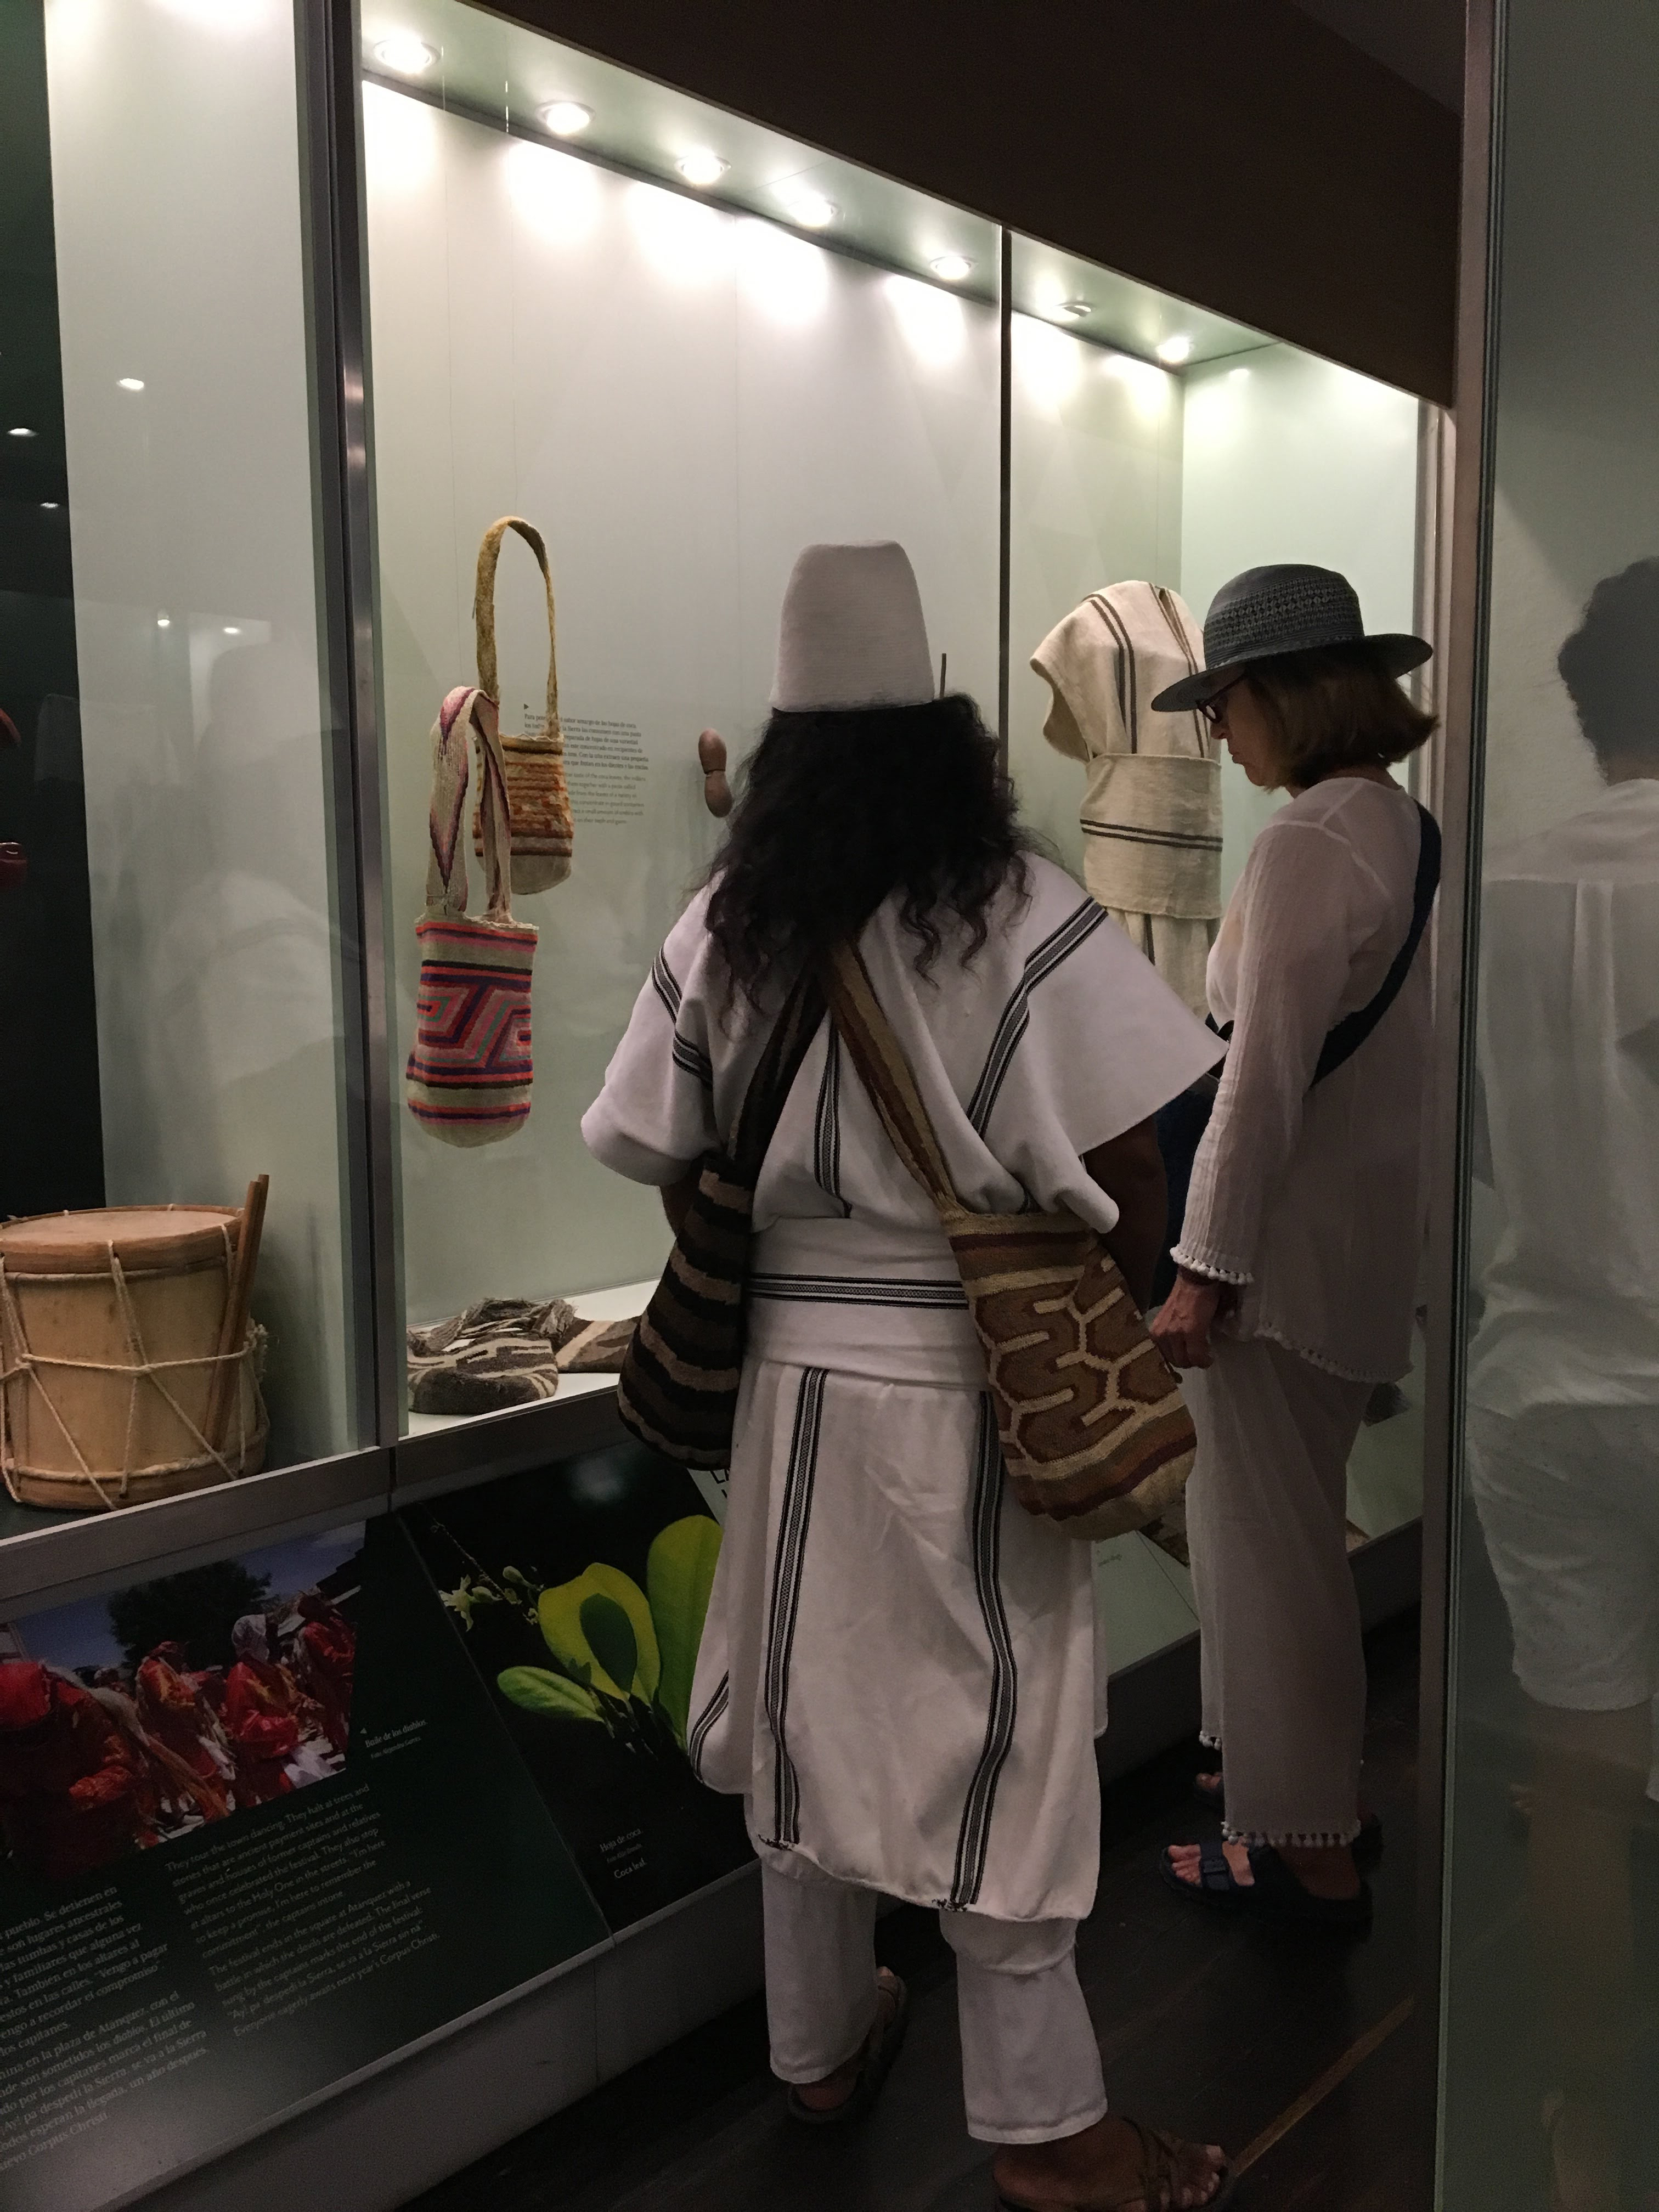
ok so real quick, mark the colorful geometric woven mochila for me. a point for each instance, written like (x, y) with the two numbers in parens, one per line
(470, 1071)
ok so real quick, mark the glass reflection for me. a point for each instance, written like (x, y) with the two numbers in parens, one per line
(1564, 1375)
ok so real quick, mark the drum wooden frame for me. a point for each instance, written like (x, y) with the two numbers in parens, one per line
(112, 1377)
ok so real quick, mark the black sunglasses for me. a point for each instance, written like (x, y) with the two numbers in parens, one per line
(1214, 709)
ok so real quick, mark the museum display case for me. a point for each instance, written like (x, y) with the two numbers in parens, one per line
(395, 402)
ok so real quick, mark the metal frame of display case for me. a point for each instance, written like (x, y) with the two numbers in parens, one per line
(1457, 802)
(696, 1963)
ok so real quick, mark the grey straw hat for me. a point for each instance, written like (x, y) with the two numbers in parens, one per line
(1287, 607)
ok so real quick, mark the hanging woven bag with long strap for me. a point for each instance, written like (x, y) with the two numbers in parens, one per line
(468, 1078)
(1095, 1433)
(538, 800)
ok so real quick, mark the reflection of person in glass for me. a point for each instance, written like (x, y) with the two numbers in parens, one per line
(1564, 1380)
(1302, 1230)
(898, 1667)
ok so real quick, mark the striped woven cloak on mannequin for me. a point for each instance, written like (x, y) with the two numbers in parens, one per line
(1152, 806)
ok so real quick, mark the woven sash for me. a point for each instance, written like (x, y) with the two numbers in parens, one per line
(678, 1389)
(469, 1072)
(537, 801)
(1095, 1433)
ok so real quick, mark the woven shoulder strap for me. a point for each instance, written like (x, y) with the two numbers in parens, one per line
(484, 613)
(775, 1075)
(880, 1059)
(468, 710)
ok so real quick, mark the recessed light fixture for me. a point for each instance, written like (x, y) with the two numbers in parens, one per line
(405, 54)
(21, 431)
(1173, 350)
(1238, 375)
(48, 506)
(701, 166)
(231, 630)
(130, 383)
(566, 118)
(164, 622)
(952, 268)
(812, 211)
(1074, 311)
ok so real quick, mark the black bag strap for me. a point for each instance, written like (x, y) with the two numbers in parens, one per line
(1351, 1032)
(774, 1074)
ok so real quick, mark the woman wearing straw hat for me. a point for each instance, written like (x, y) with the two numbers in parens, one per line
(898, 1669)
(1298, 1252)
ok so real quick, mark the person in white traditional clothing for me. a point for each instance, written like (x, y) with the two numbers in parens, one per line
(1298, 1253)
(898, 1672)
(1563, 1370)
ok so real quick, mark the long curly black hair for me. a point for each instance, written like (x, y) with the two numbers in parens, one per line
(840, 809)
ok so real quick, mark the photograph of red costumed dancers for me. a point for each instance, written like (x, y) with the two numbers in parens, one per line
(129, 1720)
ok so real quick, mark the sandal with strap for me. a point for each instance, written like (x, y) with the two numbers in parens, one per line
(1210, 1792)
(882, 2046)
(1273, 1895)
(1160, 2170)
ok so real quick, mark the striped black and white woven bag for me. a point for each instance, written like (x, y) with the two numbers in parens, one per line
(678, 1389)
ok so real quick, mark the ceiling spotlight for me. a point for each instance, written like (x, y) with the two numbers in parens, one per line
(231, 630)
(48, 506)
(952, 268)
(812, 211)
(21, 431)
(405, 54)
(701, 166)
(130, 383)
(1173, 351)
(164, 622)
(1238, 375)
(566, 118)
(1074, 311)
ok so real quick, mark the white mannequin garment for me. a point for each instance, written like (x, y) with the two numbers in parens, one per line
(1152, 806)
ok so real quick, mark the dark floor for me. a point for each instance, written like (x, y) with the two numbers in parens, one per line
(1303, 2062)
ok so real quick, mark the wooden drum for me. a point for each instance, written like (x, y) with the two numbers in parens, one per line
(119, 1385)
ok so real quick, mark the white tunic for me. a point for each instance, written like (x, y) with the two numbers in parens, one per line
(897, 1671)
(1313, 1202)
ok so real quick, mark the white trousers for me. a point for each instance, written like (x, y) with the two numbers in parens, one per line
(1030, 2066)
(1284, 1668)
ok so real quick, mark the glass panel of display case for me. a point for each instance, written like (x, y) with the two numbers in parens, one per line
(681, 348)
(171, 1023)
(1157, 446)
(1548, 2046)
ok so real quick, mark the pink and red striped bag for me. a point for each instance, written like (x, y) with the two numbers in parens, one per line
(469, 1073)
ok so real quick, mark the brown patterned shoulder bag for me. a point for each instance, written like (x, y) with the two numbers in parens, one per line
(1095, 1433)
(677, 1388)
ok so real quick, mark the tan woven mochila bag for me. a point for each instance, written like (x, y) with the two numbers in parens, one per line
(538, 800)
(1095, 1433)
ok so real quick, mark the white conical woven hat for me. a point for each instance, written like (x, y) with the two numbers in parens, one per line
(852, 634)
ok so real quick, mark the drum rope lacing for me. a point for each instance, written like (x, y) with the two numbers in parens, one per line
(141, 1369)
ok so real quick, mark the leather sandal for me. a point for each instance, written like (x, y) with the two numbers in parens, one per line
(1155, 2188)
(1273, 1896)
(881, 2047)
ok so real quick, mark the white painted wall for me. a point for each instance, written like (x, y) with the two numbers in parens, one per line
(1288, 458)
(680, 399)
(1095, 498)
(176, 200)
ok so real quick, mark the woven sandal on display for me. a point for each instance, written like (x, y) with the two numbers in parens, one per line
(1211, 1791)
(1274, 1896)
(1154, 2187)
(885, 2041)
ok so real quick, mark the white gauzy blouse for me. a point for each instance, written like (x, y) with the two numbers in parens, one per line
(1312, 1201)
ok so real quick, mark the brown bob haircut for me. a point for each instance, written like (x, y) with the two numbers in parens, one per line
(1334, 708)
